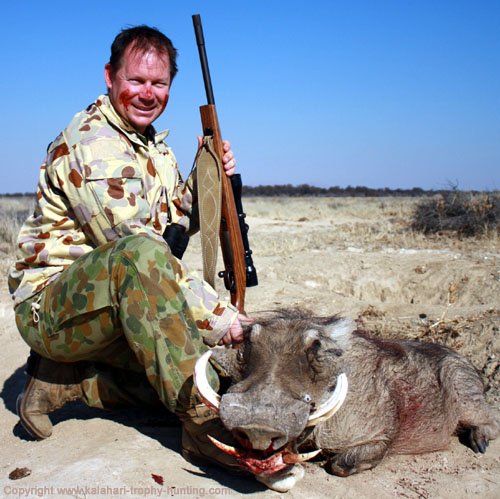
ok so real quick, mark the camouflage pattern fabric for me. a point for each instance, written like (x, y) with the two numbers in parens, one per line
(101, 180)
(135, 312)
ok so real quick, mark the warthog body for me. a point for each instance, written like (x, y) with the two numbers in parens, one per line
(403, 397)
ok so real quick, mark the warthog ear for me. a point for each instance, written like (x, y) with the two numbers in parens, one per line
(340, 331)
(319, 354)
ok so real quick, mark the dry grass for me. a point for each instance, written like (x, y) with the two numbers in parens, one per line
(13, 212)
(374, 223)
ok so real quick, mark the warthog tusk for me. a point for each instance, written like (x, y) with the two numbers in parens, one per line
(208, 395)
(299, 458)
(228, 449)
(332, 405)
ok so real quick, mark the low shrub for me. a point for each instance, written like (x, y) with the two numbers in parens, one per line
(464, 213)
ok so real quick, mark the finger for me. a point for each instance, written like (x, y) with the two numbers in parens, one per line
(226, 145)
(229, 156)
(236, 332)
(229, 170)
(229, 165)
(245, 320)
(227, 339)
(238, 338)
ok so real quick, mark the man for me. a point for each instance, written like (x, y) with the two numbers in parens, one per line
(111, 316)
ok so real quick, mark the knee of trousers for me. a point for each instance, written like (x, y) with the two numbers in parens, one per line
(144, 256)
(138, 248)
(140, 242)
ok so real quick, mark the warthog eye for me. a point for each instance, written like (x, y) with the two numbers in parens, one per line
(307, 398)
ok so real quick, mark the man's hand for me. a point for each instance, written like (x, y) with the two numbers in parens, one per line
(235, 333)
(228, 160)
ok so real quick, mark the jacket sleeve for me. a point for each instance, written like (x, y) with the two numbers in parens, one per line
(213, 316)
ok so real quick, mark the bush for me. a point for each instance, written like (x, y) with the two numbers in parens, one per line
(465, 213)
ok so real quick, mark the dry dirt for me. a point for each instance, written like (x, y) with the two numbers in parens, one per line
(350, 256)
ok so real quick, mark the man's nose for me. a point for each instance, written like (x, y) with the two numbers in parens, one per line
(146, 91)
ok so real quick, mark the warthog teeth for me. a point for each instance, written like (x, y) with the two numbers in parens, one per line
(208, 395)
(228, 449)
(299, 458)
(287, 456)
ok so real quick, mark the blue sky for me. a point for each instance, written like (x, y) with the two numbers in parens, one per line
(371, 93)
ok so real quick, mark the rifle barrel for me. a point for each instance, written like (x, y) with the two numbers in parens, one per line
(200, 41)
(238, 264)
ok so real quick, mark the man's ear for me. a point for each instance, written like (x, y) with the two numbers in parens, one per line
(108, 75)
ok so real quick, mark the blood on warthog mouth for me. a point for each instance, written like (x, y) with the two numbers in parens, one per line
(261, 463)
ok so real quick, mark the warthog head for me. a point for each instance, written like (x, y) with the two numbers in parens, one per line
(286, 378)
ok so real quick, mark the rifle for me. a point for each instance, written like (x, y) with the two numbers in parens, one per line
(239, 271)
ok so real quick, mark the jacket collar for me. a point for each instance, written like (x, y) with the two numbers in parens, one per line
(106, 108)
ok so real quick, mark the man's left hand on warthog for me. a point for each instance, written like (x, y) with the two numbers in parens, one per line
(303, 385)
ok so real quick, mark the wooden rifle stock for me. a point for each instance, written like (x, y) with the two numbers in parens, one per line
(232, 247)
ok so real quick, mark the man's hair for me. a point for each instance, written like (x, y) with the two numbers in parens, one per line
(142, 38)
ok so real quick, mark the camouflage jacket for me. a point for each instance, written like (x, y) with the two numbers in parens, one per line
(101, 180)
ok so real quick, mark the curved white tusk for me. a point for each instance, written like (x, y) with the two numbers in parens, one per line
(300, 458)
(332, 405)
(208, 395)
(228, 449)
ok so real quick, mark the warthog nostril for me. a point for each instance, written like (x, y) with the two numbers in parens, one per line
(242, 438)
(260, 437)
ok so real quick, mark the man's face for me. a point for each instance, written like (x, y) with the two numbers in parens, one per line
(139, 89)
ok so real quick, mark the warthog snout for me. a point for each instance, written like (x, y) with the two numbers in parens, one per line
(248, 415)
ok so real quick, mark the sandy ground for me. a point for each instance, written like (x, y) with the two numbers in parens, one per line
(350, 256)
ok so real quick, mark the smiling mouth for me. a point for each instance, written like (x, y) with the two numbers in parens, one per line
(144, 109)
(261, 462)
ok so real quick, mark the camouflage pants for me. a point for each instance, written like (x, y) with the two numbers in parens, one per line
(121, 314)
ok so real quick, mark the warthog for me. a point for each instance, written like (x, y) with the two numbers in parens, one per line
(290, 377)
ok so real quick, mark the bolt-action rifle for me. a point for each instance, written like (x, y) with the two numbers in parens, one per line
(239, 271)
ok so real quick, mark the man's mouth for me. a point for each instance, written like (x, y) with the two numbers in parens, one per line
(144, 109)
(261, 462)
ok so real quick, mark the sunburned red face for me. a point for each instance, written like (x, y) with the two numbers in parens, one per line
(139, 90)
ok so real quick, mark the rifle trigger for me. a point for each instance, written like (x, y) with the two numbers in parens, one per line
(229, 281)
